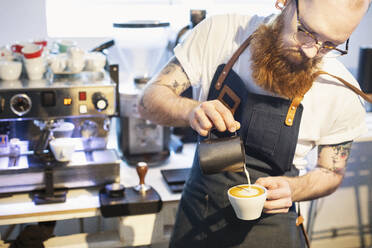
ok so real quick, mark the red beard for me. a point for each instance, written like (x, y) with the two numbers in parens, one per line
(272, 70)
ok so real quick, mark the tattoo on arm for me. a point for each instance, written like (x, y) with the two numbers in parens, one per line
(173, 77)
(333, 158)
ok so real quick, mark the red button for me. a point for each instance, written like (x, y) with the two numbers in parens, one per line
(82, 96)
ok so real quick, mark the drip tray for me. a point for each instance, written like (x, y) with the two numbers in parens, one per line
(86, 169)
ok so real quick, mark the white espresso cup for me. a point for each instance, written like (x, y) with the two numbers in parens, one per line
(10, 70)
(62, 148)
(6, 53)
(247, 201)
(57, 62)
(75, 65)
(64, 45)
(63, 130)
(95, 61)
(76, 59)
(35, 68)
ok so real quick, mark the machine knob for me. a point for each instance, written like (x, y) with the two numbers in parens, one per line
(100, 102)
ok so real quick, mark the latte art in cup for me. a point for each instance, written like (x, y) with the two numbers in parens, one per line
(246, 191)
(247, 200)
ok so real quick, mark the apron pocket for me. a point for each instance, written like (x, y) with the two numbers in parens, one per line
(264, 131)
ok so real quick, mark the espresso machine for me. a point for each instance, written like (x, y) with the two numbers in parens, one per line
(142, 48)
(32, 112)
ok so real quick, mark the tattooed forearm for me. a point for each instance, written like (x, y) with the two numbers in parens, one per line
(160, 101)
(173, 65)
(336, 170)
(173, 77)
(340, 152)
(176, 87)
(333, 158)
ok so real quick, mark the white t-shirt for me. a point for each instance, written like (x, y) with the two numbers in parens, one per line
(332, 112)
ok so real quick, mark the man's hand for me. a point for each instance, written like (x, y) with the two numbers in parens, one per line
(279, 198)
(161, 103)
(212, 114)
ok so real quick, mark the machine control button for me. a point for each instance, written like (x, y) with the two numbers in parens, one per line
(82, 95)
(20, 104)
(67, 101)
(99, 101)
(83, 109)
(48, 99)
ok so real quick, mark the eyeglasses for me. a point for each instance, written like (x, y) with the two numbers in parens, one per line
(308, 40)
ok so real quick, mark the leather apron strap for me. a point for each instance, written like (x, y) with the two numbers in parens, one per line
(294, 103)
(231, 62)
(367, 97)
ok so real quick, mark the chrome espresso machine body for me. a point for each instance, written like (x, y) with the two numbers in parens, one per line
(33, 112)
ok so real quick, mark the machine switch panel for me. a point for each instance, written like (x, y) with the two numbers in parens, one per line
(48, 99)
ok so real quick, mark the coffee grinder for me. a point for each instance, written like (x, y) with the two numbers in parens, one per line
(142, 48)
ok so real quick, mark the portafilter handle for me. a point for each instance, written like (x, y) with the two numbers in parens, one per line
(142, 169)
(46, 133)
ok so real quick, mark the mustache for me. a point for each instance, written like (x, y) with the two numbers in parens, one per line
(296, 52)
(302, 61)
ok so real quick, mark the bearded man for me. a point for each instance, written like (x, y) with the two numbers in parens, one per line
(264, 78)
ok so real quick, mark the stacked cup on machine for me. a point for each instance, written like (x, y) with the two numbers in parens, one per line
(34, 61)
(10, 70)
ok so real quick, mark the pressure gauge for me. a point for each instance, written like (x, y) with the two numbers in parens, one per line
(20, 104)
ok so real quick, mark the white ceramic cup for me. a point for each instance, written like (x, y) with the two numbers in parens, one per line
(35, 68)
(17, 47)
(57, 62)
(76, 59)
(63, 130)
(6, 53)
(31, 51)
(64, 45)
(75, 65)
(62, 148)
(10, 70)
(247, 202)
(95, 61)
(76, 52)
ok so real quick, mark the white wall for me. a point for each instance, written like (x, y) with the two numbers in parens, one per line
(26, 19)
(362, 36)
(22, 20)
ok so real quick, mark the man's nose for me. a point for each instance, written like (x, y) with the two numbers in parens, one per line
(310, 52)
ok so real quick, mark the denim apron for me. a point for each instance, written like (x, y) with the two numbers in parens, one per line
(205, 217)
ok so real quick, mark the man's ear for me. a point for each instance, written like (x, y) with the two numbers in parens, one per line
(280, 4)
